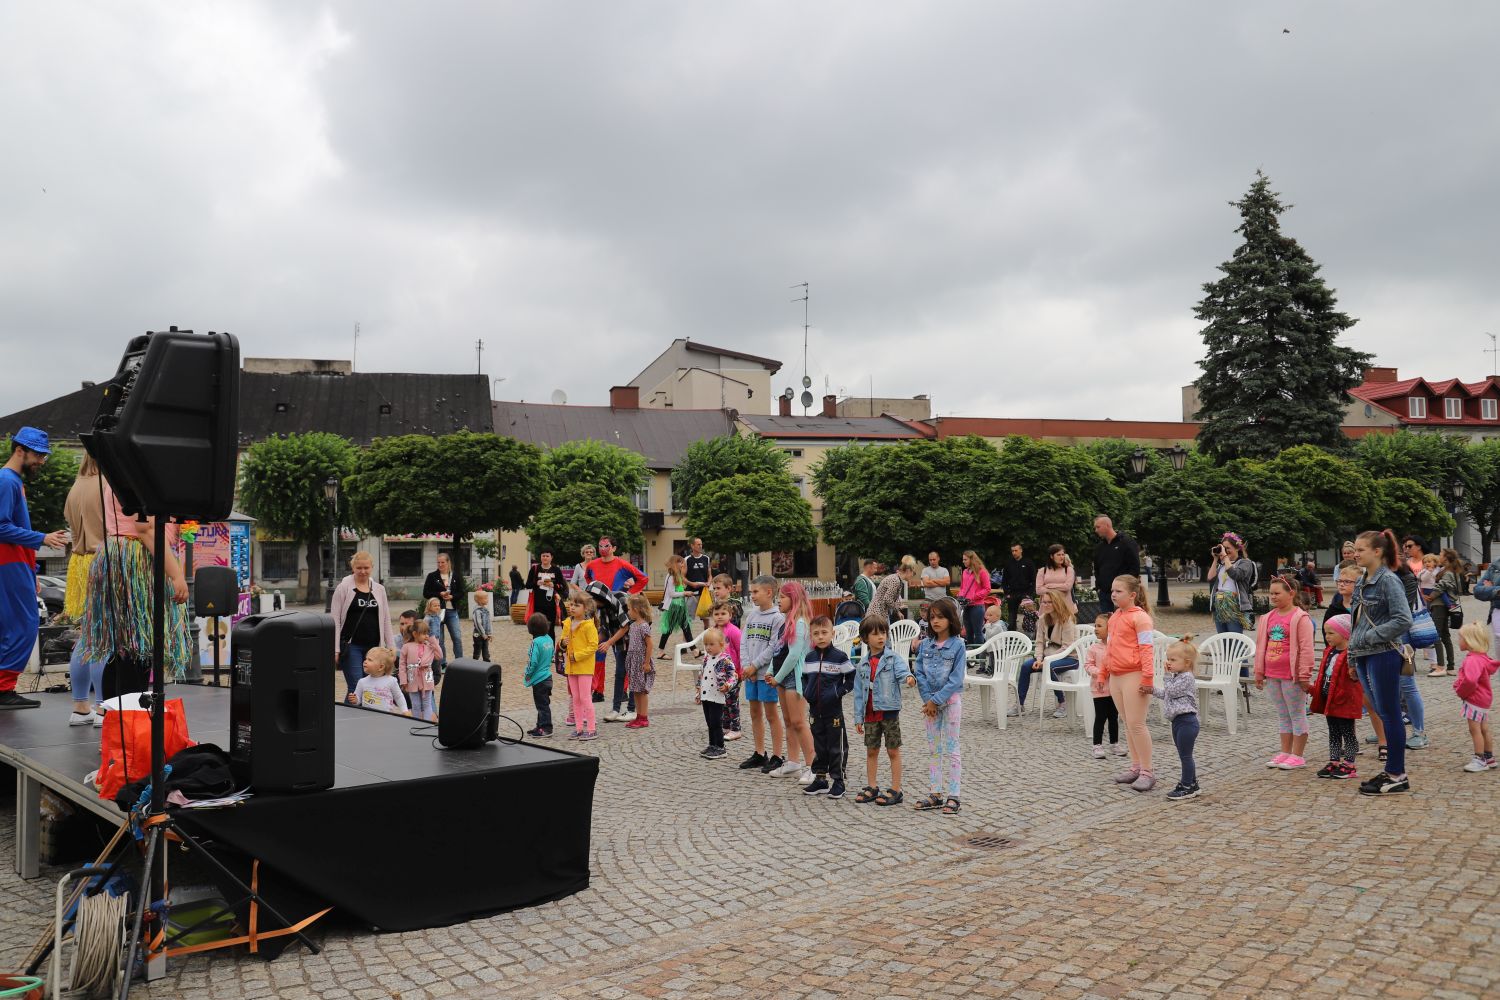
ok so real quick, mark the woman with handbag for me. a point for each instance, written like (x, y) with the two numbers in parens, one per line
(1421, 634)
(1232, 576)
(361, 621)
(1382, 617)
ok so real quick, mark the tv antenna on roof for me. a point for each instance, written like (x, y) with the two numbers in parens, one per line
(806, 382)
(1493, 351)
(559, 397)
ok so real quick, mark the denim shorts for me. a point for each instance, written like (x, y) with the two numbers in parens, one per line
(759, 690)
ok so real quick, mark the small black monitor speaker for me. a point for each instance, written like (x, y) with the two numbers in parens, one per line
(166, 432)
(281, 702)
(216, 592)
(469, 716)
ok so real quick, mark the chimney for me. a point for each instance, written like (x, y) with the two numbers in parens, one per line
(830, 406)
(784, 406)
(1380, 375)
(624, 397)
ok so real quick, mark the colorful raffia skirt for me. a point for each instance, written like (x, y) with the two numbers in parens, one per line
(78, 583)
(119, 612)
(674, 618)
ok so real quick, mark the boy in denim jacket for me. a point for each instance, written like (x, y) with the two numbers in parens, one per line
(877, 706)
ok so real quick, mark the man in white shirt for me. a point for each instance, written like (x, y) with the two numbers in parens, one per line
(935, 578)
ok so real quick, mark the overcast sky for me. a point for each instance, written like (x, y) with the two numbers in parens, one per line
(1010, 206)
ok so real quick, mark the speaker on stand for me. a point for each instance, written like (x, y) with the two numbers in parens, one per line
(216, 595)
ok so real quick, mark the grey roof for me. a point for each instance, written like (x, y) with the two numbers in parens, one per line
(840, 428)
(661, 435)
(347, 405)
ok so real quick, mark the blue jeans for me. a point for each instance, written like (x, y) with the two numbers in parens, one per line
(1229, 627)
(541, 697)
(1412, 699)
(1380, 674)
(1023, 682)
(621, 696)
(1185, 735)
(85, 676)
(352, 662)
(449, 620)
(974, 623)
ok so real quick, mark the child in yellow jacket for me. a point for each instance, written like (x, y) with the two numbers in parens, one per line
(580, 638)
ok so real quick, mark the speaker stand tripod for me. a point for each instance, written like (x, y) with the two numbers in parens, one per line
(158, 824)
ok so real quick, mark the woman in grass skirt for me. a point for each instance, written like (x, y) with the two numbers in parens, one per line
(119, 620)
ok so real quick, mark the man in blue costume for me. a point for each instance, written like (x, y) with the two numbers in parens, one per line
(18, 545)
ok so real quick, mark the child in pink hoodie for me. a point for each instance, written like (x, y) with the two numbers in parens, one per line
(1473, 686)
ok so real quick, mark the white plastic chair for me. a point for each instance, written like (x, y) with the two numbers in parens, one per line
(1227, 652)
(696, 646)
(1161, 643)
(1007, 650)
(844, 637)
(901, 635)
(1074, 688)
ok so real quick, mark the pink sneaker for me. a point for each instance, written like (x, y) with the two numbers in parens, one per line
(1276, 760)
(1290, 763)
(1128, 776)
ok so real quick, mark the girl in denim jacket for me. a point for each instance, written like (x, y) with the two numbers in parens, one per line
(940, 682)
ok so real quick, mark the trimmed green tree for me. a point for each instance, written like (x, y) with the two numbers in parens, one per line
(755, 512)
(1040, 493)
(1409, 508)
(1435, 459)
(719, 458)
(619, 470)
(281, 486)
(456, 485)
(1274, 374)
(579, 513)
(1481, 479)
(1339, 495)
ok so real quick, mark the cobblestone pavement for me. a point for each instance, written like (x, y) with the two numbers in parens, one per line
(708, 881)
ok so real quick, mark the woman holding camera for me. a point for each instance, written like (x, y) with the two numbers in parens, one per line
(1232, 575)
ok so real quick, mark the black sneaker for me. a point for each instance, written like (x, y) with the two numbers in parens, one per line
(818, 786)
(704, 752)
(714, 753)
(1384, 784)
(757, 759)
(771, 764)
(536, 733)
(1182, 792)
(598, 698)
(1328, 769)
(10, 699)
(837, 791)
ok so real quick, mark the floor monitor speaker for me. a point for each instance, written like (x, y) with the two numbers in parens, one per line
(469, 716)
(281, 702)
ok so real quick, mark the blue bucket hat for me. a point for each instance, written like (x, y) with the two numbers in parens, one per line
(35, 440)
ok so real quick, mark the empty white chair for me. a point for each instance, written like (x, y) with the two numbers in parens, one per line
(901, 636)
(691, 648)
(1007, 650)
(1073, 685)
(1226, 653)
(844, 636)
(1161, 643)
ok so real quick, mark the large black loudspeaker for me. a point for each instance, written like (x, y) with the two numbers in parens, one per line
(470, 713)
(168, 422)
(216, 592)
(281, 702)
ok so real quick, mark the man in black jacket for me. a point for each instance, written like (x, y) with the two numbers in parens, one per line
(1018, 578)
(447, 586)
(1117, 554)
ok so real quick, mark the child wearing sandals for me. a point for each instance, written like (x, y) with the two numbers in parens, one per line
(1337, 696)
(1105, 711)
(1472, 685)
(941, 660)
(877, 708)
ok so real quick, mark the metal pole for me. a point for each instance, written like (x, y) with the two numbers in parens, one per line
(333, 549)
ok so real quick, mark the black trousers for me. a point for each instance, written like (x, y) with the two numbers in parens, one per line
(481, 648)
(829, 745)
(541, 697)
(1105, 710)
(713, 714)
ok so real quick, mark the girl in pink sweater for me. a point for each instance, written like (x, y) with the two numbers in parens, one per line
(1284, 664)
(417, 657)
(1472, 685)
(1129, 659)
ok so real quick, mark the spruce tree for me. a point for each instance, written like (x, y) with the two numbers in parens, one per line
(1274, 375)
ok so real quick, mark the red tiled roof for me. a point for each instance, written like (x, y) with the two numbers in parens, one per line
(1385, 394)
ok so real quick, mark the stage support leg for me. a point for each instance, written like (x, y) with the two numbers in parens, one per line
(28, 825)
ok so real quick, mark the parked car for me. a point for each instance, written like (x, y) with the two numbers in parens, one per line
(53, 594)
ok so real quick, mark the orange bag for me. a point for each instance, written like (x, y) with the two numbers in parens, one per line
(121, 763)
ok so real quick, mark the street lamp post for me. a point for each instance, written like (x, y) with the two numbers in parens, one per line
(331, 494)
(1177, 454)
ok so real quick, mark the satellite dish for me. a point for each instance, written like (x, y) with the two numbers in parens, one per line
(806, 398)
(789, 395)
(807, 381)
(559, 397)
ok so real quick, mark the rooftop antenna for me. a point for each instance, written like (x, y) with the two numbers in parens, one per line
(559, 398)
(354, 354)
(806, 381)
(1493, 351)
(479, 357)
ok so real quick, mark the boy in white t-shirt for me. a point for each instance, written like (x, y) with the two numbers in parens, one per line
(377, 689)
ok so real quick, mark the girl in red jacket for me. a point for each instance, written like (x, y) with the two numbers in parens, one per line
(1129, 657)
(1473, 686)
(1337, 695)
(1283, 663)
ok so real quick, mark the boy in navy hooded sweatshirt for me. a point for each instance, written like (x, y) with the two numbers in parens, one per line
(827, 675)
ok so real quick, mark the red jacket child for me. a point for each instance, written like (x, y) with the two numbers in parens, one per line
(1336, 693)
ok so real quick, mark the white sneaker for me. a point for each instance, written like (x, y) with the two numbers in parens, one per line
(84, 719)
(1061, 712)
(1014, 712)
(806, 777)
(733, 735)
(1473, 767)
(1099, 751)
(611, 716)
(788, 769)
(98, 720)
(1118, 750)
(625, 717)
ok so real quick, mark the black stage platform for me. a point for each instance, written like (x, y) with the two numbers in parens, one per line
(410, 836)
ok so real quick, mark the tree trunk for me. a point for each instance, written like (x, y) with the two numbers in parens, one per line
(314, 593)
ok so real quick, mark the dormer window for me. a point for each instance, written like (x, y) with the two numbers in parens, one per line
(1453, 409)
(1416, 407)
(1487, 408)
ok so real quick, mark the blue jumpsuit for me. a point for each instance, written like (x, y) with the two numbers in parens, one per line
(18, 614)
